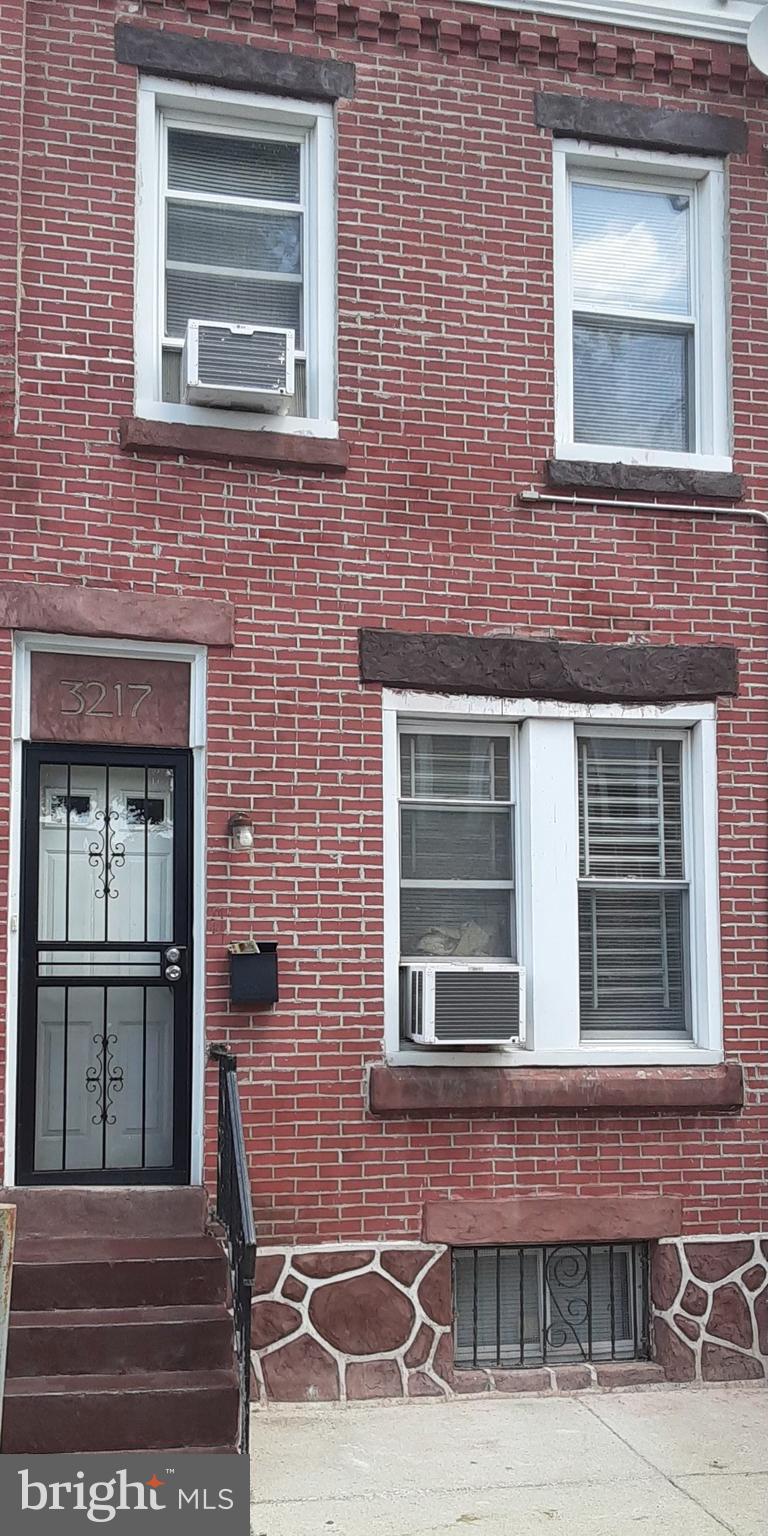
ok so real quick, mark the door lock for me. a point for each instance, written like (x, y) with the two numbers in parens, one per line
(172, 967)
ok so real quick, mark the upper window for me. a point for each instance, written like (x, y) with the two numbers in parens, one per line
(640, 308)
(235, 275)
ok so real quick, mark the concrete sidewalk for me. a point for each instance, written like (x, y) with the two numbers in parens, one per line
(682, 1461)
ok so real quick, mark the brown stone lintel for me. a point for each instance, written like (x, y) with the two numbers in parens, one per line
(506, 667)
(179, 56)
(552, 1219)
(280, 450)
(585, 475)
(51, 609)
(616, 122)
(498, 1090)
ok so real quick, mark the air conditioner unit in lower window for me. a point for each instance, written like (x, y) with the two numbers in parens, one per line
(467, 1002)
(246, 365)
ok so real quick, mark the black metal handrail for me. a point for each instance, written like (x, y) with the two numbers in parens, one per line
(235, 1212)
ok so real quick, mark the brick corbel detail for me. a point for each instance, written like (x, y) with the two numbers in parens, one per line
(47, 608)
(604, 52)
(552, 1219)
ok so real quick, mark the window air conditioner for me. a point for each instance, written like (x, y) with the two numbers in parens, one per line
(246, 365)
(467, 1002)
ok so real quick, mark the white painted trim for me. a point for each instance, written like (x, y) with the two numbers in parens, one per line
(547, 874)
(549, 842)
(312, 125)
(467, 706)
(722, 20)
(196, 656)
(704, 180)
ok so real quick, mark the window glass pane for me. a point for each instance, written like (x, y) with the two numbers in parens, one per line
(460, 922)
(455, 845)
(233, 167)
(630, 808)
(508, 1298)
(243, 300)
(438, 767)
(234, 237)
(632, 960)
(632, 385)
(631, 248)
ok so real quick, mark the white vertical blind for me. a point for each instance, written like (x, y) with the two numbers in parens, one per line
(633, 896)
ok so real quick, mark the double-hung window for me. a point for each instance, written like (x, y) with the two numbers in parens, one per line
(640, 307)
(567, 851)
(235, 227)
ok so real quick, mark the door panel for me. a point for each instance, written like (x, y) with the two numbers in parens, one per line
(105, 999)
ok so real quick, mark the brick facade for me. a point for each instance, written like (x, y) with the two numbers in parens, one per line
(446, 408)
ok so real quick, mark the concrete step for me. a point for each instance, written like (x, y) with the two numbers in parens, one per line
(66, 1273)
(108, 1212)
(117, 1340)
(183, 1410)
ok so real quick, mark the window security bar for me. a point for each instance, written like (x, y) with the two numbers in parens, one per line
(564, 1304)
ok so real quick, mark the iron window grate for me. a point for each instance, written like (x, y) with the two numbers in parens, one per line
(558, 1305)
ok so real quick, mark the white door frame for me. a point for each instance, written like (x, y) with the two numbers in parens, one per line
(196, 655)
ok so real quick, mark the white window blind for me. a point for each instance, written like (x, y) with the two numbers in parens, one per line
(634, 314)
(633, 894)
(234, 236)
(456, 846)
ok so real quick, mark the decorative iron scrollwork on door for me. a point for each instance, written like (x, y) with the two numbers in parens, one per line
(106, 855)
(105, 1079)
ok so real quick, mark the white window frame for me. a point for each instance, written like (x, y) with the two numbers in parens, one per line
(547, 877)
(704, 179)
(312, 125)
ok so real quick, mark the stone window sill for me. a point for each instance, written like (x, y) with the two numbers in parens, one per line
(445, 1090)
(280, 450)
(592, 475)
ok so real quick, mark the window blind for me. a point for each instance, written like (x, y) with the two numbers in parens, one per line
(456, 846)
(634, 321)
(633, 896)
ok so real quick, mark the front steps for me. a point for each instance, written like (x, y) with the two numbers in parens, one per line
(121, 1337)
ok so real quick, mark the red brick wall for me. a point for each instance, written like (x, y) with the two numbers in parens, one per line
(446, 398)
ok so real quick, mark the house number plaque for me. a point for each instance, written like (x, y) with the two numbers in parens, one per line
(118, 699)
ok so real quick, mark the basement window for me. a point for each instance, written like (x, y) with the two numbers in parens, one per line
(561, 1305)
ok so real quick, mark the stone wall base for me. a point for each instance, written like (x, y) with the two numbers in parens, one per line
(710, 1307)
(338, 1323)
(331, 1324)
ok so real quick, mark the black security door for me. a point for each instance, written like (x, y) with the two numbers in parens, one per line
(105, 996)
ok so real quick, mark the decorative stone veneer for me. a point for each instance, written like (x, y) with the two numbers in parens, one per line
(332, 1324)
(337, 1323)
(710, 1306)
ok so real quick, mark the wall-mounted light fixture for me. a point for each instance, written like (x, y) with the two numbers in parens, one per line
(240, 828)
